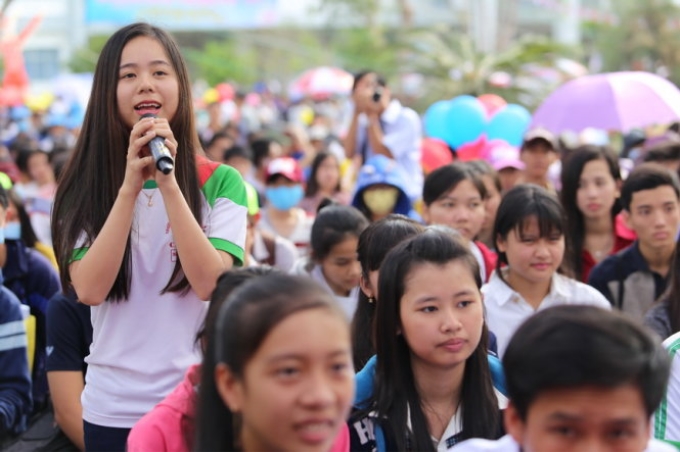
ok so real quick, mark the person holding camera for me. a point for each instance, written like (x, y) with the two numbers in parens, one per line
(380, 125)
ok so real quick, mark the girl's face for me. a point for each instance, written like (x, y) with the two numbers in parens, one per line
(532, 258)
(147, 81)
(328, 175)
(297, 389)
(39, 169)
(491, 202)
(597, 190)
(341, 267)
(462, 209)
(441, 313)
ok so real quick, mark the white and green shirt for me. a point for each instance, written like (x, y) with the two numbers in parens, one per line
(142, 346)
(667, 417)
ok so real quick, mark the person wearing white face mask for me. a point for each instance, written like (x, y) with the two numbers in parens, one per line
(284, 191)
(33, 279)
(381, 190)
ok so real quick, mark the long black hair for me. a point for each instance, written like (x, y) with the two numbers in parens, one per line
(244, 320)
(444, 179)
(571, 176)
(672, 293)
(226, 283)
(332, 225)
(395, 389)
(89, 184)
(312, 184)
(374, 243)
(28, 235)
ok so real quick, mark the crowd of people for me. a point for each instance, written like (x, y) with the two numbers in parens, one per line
(318, 290)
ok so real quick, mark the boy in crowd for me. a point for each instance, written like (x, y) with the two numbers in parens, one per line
(580, 378)
(636, 276)
(538, 152)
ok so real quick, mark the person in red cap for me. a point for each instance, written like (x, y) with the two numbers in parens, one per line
(282, 214)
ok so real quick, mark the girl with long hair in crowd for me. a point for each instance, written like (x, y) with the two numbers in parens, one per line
(433, 386)
(170, 426)
(454, 195)
(142, 247)
(277, 374)
(591, 183)
(494, 191)
(333, 259)
(530, 238)
(374, 243)
(324, 181)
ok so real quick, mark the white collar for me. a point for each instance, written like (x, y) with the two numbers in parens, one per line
(503, 293)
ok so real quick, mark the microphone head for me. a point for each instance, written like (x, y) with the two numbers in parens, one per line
(164, 166)
(148, 115)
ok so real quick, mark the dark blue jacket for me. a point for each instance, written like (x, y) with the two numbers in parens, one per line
(626, 280)
(34, 281)
(15, 379)
(364, 391)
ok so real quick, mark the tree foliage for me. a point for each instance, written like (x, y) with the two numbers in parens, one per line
(646, 36)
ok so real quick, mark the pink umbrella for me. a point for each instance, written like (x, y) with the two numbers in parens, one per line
(613, 101)
(321, 82)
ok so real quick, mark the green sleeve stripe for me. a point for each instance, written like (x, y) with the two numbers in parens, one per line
(661, 415)
(225, 182)
(228, 247)
(78, 254)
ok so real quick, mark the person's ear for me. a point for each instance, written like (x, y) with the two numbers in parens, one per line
(514, 425)
(229, 388)
(426, 214)
(365, 286)
(501, 244)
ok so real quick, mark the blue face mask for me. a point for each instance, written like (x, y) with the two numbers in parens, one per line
(13, 230)
(285, 198)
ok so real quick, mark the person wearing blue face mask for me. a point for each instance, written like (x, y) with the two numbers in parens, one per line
(283, 194)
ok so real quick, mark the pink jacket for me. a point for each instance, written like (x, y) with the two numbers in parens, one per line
(162, 428)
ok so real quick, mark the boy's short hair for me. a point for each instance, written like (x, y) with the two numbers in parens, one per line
(536, 135)
(647, 176)
(572, 346)
(663, 148)
(237, 151)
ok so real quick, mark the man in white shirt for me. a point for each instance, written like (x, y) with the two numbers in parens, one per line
(580, 378)
(381, 125)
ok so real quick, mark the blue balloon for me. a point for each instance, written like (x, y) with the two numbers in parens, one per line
(510, 123)
(465, 121)
(464, 98)
(435, 119)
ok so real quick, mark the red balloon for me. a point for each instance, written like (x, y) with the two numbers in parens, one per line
(492, 103)
(435, 153)
(472, 151)
(225, 91)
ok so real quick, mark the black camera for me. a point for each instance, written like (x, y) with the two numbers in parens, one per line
(377, 95)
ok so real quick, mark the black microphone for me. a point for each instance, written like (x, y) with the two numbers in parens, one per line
(160, 152)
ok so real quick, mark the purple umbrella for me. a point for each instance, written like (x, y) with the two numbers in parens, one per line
(614, 101)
